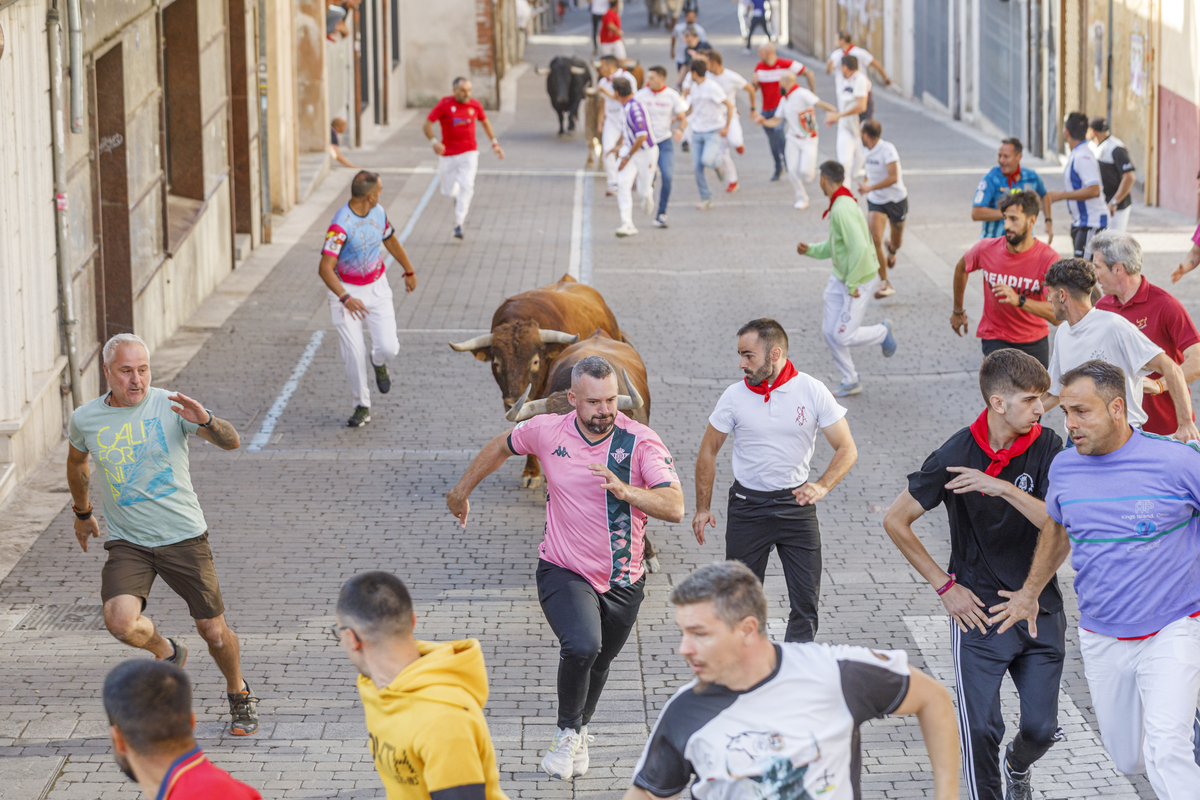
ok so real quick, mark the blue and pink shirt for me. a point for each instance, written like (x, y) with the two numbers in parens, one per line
(636, 123)
(1133, 517)
(357, 242)
(588, 530)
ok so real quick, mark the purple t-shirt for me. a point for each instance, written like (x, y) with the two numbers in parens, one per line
(637, 123)
(1133, 517)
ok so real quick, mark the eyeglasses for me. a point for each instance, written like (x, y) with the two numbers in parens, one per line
(336, 632)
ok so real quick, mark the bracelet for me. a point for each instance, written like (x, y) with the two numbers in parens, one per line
(82, 514)
(409, 274)
(1161, 388)
(344, 298)
(210, 419)
(949, 583)
(956, 311)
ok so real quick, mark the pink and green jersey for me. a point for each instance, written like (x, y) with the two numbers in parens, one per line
(588, 531)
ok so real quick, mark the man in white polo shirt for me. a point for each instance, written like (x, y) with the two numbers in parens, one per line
(775, 414)
(665, 107)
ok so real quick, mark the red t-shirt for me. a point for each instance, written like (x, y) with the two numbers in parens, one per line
(1024, 272)
(1158, 314)
(194, 777)
(458, 123)
(768, 79)
(610, 16)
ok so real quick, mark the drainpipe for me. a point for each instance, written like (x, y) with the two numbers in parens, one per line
(75, 27)
(1108, 109)
(65, 290)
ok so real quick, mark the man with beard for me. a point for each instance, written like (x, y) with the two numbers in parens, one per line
(590, 576)
(152, 728)
(775, 414)
(1014, 267)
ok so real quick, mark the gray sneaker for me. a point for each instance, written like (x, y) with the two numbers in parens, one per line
(179, 657)
(360, 417)
(1016, 784)
(243, 708)
(383, 379)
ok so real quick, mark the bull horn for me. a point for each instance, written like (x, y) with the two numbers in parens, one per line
(523, 410)
(558, 337)
(632, 401)
(470, 345)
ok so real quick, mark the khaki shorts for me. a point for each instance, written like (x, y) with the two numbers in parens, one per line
(186, 566)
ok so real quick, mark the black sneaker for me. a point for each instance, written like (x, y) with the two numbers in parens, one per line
(382, 379)
(1016, 784)
(458, 232)
(360, 417)
(179, 657)
(243, 707)
(684, 147)
(778, 174)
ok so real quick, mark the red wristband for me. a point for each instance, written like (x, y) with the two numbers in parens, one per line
(344, 298)
(946, 588)
(409, 274)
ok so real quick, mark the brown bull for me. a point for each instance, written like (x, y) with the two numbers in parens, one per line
(529, 331)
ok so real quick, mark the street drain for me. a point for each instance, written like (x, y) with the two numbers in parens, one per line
(62, 618)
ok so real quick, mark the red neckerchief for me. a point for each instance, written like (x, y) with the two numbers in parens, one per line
(842, 191)
(786, 374)
(1000, 458)
(788, 93)
(1016, 176)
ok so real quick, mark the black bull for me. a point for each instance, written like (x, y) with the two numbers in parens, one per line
(566, 84)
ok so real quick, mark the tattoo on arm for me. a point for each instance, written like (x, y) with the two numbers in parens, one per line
(223, 435)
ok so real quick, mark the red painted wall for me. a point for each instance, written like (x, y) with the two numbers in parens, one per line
(1178, 152)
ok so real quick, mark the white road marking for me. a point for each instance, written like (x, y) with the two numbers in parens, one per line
(576, 228)
(289, 388)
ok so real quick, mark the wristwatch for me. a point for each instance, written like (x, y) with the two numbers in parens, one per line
(1020, 301)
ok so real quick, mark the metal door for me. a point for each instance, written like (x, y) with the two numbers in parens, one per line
(1001, 64)
(931, 46)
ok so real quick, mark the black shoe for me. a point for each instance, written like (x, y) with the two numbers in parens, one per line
(382, 379)
(179, 657)
(1016, 784)
(360, 417)
(684, 147)
(243, 707)
(778, 174)
(458, 232)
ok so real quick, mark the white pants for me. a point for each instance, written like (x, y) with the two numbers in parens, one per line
(1120, 220)
(616, 48)
(801, 157)
(640, 167)
(458, 181)
(1145, 696)
(729, 144)
(843, 326)
(609, 136)
(850, 150)
(385, 344)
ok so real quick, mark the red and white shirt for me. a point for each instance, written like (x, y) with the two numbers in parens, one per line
(768, 76)
(458, 123)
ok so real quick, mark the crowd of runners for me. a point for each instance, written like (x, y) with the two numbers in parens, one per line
(1120, 496)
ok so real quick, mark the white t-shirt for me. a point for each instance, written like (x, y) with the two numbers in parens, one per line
(680, 44)
(878, 157)
(662, 107)
(600, 7)
(858, 85)
(864, 61)
(707, 100)
(1105, 336)
(797, 109)
(1082, 170)
(774, 441)
(612, 108)
(732, 83)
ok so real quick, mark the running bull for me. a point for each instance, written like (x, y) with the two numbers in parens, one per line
(529, 331)
(567, 85)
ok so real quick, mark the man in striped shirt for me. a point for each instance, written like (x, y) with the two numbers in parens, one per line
(767, 72)
(638, 154)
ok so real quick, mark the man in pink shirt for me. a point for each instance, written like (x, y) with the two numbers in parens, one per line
(605, 474)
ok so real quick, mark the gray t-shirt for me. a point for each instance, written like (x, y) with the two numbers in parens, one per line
(142, 454)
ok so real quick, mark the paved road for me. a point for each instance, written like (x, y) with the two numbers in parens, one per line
(318, 502)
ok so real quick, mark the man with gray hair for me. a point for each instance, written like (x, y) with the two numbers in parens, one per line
(605, 474)
(1157, 313)
(138, 437)
(761, 719)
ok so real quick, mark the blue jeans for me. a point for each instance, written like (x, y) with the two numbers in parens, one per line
(706, 152)
(666, 170)
(777, 138)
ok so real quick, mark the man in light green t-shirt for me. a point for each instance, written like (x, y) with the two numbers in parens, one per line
(853, 282)
(138, 439)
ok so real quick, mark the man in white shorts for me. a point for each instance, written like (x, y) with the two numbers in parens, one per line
(639, 157)
(887, 199)
(664, 106)
(851, 101)
(731, 82)
(800, 145)
(610, 124)
(458, 156)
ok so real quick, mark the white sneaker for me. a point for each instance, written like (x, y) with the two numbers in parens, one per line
(704, 205)
(582, 762)
(648, 205)
(559, 761)
(801, 205)
(627, 230)
(660, 221)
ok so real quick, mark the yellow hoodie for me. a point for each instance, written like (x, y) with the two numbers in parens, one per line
(427, 728)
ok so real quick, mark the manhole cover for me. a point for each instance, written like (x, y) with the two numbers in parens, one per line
(62, 618)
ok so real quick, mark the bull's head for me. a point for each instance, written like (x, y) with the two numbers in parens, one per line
(520, 353)
(525, 408)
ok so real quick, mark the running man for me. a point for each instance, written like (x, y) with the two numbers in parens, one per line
(761, 719)
(599, 8)
(1015, 308)
(458, 155)
(153, 732)
(1135, 573)
(590, 575)
(756, 12)
(610, 124)
(767, 73)
(611, 41)
(710, 113)
(137, 436)
(851, 102)
(1081, 176)
(639, 157)
(772, 502)
(734, 140)
(353, 270)
(993, 477)
(854, 279)
(1117, 172)
(422, 700)
(887, 199)
(1004, 179)
(795, 111)
(866, 62)
(678, 45)
(664, 107)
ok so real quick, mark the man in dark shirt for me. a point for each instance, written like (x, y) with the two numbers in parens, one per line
(1116, 172)
(992, 477)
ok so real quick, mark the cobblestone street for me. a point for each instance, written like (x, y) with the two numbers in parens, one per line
(311, 501)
